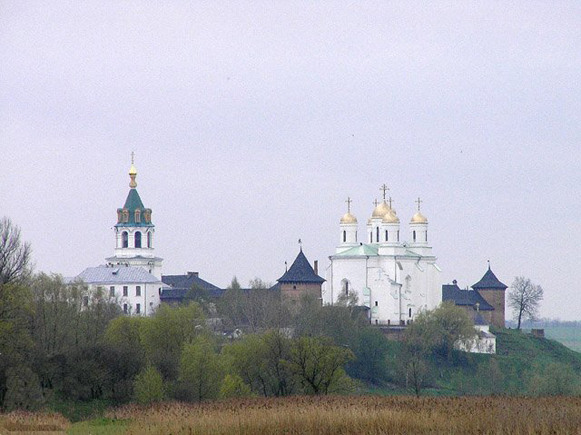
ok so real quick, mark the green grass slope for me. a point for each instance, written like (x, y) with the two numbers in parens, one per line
(523, 364)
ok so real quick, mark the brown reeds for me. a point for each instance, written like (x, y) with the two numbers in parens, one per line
(360, 415)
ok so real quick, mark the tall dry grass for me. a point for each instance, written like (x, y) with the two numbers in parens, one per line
(360, 415)
(21, 422)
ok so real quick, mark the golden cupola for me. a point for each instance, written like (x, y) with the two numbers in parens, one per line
(390, 218)
(380, 210)
(348, 218)
(419, 218)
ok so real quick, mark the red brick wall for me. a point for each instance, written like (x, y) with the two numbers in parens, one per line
(296, 291)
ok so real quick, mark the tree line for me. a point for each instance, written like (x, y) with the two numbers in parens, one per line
(55, 348)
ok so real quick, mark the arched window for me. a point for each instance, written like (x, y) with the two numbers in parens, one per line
(410, 312)
(149, 240)
(345, 286)
(386, 236)
(137, 216)
(125, 216)
(138, 239)
(377, 235)
(124, 239)
(414, 235)
(344, 236)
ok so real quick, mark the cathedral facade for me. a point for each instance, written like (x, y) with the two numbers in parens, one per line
(393, 278)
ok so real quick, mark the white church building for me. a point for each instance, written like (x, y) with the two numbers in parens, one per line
(393, 278)
(132, 276)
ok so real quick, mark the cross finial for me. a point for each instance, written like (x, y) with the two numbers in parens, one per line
(349, 201)
(390, 201)
(419, 202)
(384, 189)
(376, 202)
(488, 264)
(301, 245)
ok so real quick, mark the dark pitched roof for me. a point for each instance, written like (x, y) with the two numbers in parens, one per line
(178, 294)
(489, 281)
(301, 271)
(451, 292)
(479, 320)
(187, 281)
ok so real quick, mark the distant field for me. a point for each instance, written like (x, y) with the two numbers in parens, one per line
(570, 336)
(308, 415)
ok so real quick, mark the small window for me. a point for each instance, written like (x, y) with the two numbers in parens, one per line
(138, 290)
(85, 301)
(371, 237)
(125, 310)
(137, 216)
(377, 234)
(410, 312)
(356, 236)
(386, 236)
(125, 291)
(294, 287)
(344, 236)
(376, 303)
(149, 239)
(398, 235)
(125, 239)
(112, 291)
(414, 235)
(138, 308)
(138, 239)
(426, 235)
(125, 216)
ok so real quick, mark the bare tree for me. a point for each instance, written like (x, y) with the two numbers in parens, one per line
(14, 253)
(524, 298)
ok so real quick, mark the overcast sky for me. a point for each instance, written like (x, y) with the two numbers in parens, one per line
(253, 121)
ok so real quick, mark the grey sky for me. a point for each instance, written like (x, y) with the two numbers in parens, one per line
(253, 121)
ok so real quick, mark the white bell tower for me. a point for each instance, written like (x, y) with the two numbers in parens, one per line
(134, 232)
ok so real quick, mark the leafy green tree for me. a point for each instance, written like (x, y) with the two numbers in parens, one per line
(201, 370)
(554, 379)
(318, 365)
(149, 386)
(260, 361)
(22, 389)
(165, 334)
(234, 386)
(441, 329)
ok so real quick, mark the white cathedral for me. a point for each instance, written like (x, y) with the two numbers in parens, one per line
(392, 278)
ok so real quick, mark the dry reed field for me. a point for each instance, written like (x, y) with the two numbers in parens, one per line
(360, 415)
(325, 416)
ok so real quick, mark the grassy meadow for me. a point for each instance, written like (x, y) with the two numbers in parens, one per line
(570, 336)
(325, 415)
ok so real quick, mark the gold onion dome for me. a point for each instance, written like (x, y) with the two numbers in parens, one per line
(419, 218)
(390, 218)
(348, 218)
(380, 211)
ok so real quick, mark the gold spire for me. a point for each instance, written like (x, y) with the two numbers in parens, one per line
(132, 172)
